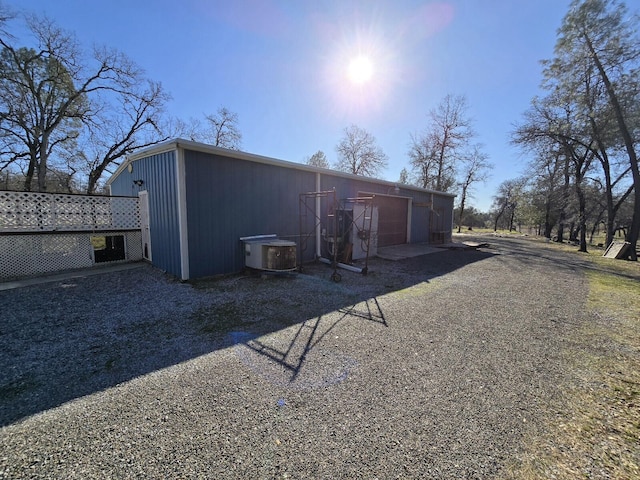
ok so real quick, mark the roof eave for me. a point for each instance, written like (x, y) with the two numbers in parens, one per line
(251, 157)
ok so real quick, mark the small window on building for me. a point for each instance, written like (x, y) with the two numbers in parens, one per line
(108, 248)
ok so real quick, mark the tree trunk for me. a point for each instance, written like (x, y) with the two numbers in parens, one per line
(560, 234)
(28, 179)
(42, 163)
(91, 183)
(595, 228)
(573, 232)
(611, 219)
(606, 169)
(445, 140)
(547, 220)
(42, 177)
(495, 225)
(565, 200)
(634, 230)
(582, 217)
(463, 198)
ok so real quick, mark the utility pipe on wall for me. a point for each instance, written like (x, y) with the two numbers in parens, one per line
(318, 213)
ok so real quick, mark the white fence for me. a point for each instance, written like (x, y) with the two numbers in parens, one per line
(44, 232)
(41, 212)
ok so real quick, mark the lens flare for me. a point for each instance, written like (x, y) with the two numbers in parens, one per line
(360, 70)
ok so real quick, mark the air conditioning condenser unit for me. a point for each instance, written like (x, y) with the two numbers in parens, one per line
(269, 253)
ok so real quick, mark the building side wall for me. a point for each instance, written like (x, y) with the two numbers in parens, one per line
(230, 198)
(443, 206)
(423, 204)
(158, 174)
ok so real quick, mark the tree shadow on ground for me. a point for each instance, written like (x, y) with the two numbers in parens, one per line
(530, 252)
(68, 339)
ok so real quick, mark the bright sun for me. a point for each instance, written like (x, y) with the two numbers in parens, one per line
(360, 70)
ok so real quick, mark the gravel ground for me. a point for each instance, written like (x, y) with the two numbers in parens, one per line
(430, 367)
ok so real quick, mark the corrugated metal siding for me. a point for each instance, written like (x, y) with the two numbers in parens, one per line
(349, 188)
(123, 185)
(231, 198)
(420, 213)
(158, 172)
(420, 208)
(444, 206)
(228, 198)
(420, 216)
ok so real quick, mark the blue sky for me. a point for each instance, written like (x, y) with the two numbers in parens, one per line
(281, 66)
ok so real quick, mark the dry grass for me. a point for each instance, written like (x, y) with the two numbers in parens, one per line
(484, 231)
(594, 430)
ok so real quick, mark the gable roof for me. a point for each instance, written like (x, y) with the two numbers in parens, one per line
(174, 144)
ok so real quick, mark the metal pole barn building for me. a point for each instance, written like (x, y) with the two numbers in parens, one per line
(197, 201)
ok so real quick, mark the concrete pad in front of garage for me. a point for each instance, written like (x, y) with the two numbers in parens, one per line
(407, 250)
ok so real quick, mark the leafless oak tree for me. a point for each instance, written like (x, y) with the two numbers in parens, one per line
(359, 154)
(219, 129)
(474, 168)
(52, 96)
(436, 153)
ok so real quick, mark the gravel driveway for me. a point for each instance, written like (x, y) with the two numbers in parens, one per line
(429, 367)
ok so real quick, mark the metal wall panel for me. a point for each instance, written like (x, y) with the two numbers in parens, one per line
(420, 206)
(158, 175)
(442, 219)
(230, 198)
(420, 214)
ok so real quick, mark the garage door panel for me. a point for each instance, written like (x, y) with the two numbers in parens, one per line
(392, 220)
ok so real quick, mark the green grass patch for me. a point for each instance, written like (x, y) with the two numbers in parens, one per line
(594, 432)
(219, 318)
(483, 231)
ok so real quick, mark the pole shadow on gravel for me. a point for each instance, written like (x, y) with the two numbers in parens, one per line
(65, 340)
(296, 350)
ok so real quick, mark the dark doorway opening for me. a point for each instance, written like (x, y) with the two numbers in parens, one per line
(108, 248)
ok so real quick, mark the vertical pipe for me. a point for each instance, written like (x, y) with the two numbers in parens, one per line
(409, 218)
(318, 213)
(181, 188)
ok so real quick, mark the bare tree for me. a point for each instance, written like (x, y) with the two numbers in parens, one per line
(598, 48)
(220, 129)
(116, 133)
(474, 169)
(358, 153)
(318, 159)
(435, 154)
(40, 107)
(404, 177)
(424, 162)
(552, 118)
(506, 201)
(50, 93)
(547, 174)
(592, 109)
